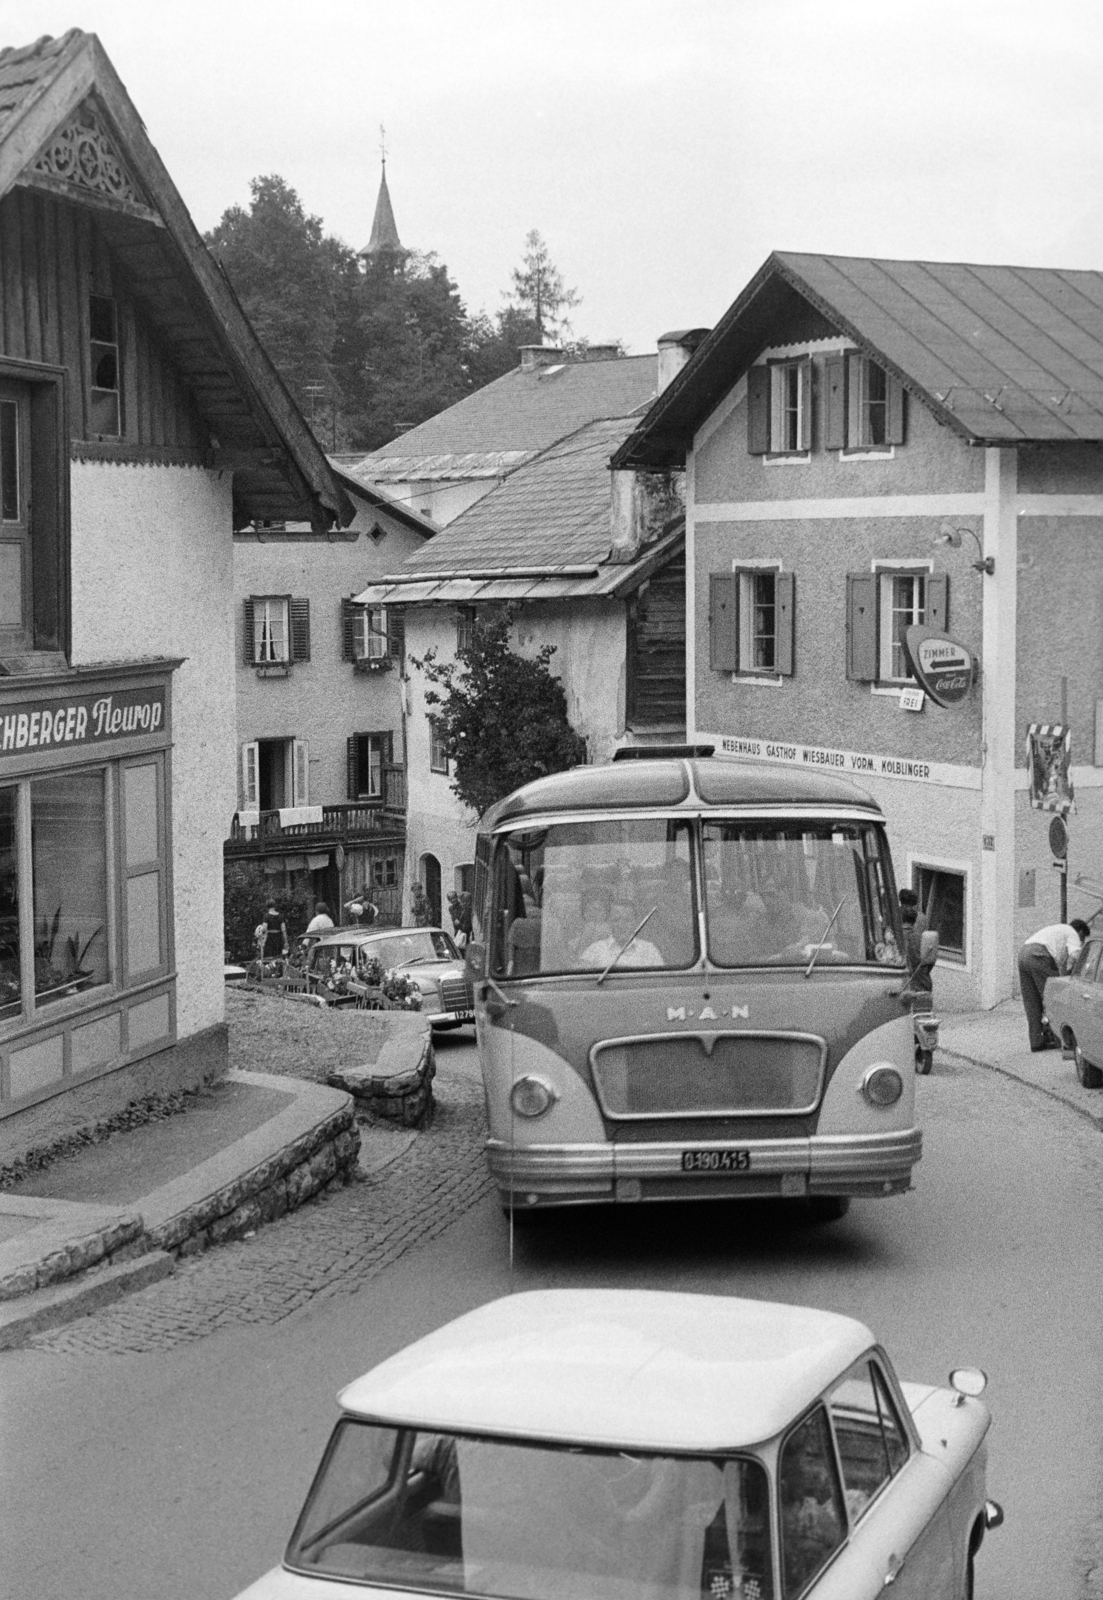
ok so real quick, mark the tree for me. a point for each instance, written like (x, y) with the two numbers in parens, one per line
(503, 717)
(539, 291)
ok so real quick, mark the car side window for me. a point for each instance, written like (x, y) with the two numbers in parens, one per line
(868, 1431)
(813, 1515)
(1089, 962)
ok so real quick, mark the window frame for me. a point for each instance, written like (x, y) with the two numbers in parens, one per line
(438, 759)
(466, 620)
(47, 477)
(887, 611)
(370, 628)
(381, 740)
(731, 609)
(262, 604)
(883, 1390)
(98, 349)
(869, 617)
(918, 863)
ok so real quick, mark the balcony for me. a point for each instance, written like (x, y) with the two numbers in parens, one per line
(354, 822)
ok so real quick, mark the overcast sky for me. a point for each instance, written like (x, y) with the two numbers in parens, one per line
(662, 147)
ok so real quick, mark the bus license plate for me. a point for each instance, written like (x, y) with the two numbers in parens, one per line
(716, 1160)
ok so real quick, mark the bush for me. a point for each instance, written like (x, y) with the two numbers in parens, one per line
(246, 894)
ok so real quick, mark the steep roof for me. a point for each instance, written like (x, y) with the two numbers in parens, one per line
(384, 232)
(1002, 355)
(526, 410)
(543, 533)
(57, 93)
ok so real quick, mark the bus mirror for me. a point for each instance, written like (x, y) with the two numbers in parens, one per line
(475, 958)
(928, 947)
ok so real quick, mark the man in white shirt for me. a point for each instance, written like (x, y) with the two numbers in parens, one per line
(321, 921)
(1049, 953)
(617, 944)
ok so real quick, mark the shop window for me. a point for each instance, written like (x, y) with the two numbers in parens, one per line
(751, 618)
(942, 901)
(367, 753)
(880, 608)
(438, 750)
(103, 324)
(779, 408)
(143, 868)
(276, 631)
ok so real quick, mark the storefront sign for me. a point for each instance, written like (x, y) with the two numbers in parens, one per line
(848, 763)
(942, 666)
(1048, 756)
(83, 719)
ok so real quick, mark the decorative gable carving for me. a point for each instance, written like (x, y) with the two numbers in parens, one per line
(82, 155)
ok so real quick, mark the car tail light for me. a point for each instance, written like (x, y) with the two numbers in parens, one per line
(882, 1085)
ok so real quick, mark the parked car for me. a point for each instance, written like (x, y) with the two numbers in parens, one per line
(604, 1444)
(1074, 1006)
(340, 963)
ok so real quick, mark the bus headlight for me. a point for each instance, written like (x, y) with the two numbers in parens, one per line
(531, 1097)
(882, 1084)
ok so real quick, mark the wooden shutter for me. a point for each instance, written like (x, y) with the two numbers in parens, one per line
(861, 626)
(857, 417)
(388, 748)
(348, 630)
(784, 617)
(894, 424)
(396, 633)
(723, 621)
(758, 410)
(805, 442)
(299, 629)
(250, 767)
(353, 758)
(938, 601)
(834, 386)
(300, 772)
(248, 643)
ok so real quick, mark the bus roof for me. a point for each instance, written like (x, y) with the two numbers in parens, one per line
(628, 784)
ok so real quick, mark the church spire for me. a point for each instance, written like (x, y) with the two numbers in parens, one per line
(384, 233)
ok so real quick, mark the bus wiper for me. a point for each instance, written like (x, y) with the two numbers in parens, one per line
(626, 943)
(823, 937)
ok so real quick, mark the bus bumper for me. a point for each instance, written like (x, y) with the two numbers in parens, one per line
(869, 1164)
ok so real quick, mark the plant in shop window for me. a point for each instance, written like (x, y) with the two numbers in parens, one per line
(61, 971)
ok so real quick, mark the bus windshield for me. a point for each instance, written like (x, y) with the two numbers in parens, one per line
(620, 894)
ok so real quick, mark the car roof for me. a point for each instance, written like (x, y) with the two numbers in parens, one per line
(356, 932)
(633, 1368)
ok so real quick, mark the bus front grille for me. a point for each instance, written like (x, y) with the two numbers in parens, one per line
(708, 1074)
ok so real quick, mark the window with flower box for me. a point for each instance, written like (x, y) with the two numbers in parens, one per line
(275, 632)
(372, 637)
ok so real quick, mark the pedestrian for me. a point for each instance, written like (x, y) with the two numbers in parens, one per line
(909, 900)
(919, 971)
(321, 921)
(1049, 953)
(277, 931)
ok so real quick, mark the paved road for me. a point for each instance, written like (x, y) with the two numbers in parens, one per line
(160, 1449)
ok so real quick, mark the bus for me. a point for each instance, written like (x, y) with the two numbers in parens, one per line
(689, 984)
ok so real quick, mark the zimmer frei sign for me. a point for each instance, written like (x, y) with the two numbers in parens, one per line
(80, 720)
(942, 666)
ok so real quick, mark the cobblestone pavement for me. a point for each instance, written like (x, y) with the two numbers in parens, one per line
(330, 1246)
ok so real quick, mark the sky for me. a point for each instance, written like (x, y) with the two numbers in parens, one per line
(662, 148)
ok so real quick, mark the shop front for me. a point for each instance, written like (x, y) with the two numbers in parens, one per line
(87, 969)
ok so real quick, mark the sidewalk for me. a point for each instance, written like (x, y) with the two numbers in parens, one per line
(997, 1039)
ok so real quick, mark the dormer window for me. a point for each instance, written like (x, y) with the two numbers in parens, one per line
(103, 323)
(779, 399)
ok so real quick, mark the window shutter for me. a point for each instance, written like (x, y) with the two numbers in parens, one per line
(895, 420)
(348, 631)
(938, 601)
(857, 420)
(806, 406)
(248, 643)
(388, 748)
(250, 762)
(834, 384)
(300, 772)
(353, 757)
(784, 622)
(299, 614)
(758, 410)
(723, 621)
(396, 633)
(861, 626)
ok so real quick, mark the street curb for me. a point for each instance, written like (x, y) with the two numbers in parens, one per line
(62, 1303)
(1027, 1083)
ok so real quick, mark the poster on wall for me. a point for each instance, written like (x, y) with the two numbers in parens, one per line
(1048, 755)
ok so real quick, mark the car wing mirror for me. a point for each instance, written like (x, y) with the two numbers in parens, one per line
(968, 1382)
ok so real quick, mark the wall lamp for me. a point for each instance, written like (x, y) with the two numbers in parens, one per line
(952, 536)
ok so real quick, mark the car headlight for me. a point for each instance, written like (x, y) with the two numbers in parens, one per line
(882, 1084)
(531, 1097)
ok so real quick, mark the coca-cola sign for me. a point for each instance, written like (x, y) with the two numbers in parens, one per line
(942, 666)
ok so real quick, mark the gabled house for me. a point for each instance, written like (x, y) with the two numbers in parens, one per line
(321, 774)
(140, 423)
(589, 563)
(873, 447)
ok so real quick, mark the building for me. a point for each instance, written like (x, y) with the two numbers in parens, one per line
(872, 446)
(321, 770)
(140, 422)
(590, 564)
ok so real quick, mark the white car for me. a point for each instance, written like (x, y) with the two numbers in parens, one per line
(639, 1445)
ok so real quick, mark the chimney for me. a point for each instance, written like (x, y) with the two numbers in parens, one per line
(675, 349)
(598, 352)
(540, 355)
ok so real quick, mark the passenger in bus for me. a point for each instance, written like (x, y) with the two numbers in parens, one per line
(621, 921)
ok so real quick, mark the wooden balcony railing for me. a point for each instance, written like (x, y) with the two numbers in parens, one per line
(340, 823)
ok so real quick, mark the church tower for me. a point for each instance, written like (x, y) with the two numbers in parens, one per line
(384, 233)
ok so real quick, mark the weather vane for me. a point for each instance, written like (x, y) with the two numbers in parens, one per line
(383, 146)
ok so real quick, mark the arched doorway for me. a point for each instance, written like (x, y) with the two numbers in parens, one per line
(430, 882)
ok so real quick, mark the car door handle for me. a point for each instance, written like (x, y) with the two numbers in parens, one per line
(895, 1568)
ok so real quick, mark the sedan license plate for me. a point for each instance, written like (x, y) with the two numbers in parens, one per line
(464, 1016)
(718, 1161)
